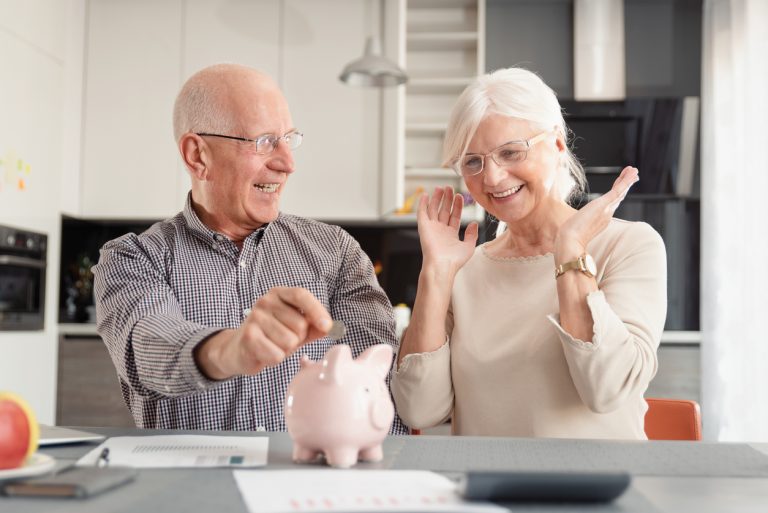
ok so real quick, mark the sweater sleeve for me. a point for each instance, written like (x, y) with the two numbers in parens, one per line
(422, 385)
(629, 311)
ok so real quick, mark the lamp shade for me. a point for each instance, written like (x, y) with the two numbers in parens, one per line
(372, 69)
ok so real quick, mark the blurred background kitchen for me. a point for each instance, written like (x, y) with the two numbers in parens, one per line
(674, 87)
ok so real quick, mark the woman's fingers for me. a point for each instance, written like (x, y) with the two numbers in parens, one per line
(443, 206)
(629, 175)
(458, 206)
(434, 203)
(421, 209)
(470, 234)
(614, 197)
(446, 205)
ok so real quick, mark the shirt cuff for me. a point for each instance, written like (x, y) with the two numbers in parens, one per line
(190, 372)
(164, 348)
(606, 325)
(414, 360)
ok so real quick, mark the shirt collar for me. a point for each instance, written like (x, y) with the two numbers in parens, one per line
(199, 228)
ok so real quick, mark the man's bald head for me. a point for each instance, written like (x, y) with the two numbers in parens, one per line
(211, 98)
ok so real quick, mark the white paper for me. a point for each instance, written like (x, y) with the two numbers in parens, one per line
(277, 491)
(168, 451)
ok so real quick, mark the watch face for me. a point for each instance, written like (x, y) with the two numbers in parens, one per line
(589, 263)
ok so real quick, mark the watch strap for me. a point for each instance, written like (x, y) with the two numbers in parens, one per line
(567, 266)
(580, 264)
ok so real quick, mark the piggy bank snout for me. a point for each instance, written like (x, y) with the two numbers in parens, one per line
(382, 413)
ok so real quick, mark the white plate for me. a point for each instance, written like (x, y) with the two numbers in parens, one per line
(37, 464)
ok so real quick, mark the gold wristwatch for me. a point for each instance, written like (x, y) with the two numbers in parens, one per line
(585, 263)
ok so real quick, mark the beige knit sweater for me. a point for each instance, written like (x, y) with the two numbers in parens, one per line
(509, 369)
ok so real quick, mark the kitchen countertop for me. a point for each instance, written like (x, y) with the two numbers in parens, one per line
(77, 328)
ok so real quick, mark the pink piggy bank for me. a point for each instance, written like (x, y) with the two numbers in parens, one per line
(340, 407)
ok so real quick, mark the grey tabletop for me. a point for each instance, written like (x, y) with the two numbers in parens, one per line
(667, 476)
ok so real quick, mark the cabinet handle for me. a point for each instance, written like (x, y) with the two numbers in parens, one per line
(21, 261)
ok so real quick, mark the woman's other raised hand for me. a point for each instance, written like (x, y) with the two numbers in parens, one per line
(439, 220)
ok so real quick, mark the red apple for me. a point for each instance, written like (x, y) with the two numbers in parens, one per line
(18, 431)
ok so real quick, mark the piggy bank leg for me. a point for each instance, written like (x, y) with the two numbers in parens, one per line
(303, 454)
(372, 454)
(341, 457)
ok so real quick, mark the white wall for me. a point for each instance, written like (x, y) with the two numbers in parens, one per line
(40, 75)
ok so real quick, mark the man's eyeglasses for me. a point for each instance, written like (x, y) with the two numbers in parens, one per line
(507, 154)
(266, 143)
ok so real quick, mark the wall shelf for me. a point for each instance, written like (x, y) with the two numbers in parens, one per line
(431, 85)
(421, 41)
(429, 172)
(442, 45)
(426, 128)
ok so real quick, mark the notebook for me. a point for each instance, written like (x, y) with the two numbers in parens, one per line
(56, 435)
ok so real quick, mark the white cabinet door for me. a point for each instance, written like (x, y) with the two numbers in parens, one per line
(239, 31)
(130, 162)
(337, 166)
(140, 52)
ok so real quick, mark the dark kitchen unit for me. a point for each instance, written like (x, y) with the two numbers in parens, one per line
(22, 279)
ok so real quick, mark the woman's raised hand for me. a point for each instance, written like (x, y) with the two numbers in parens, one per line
(439, 219)
(593, 217)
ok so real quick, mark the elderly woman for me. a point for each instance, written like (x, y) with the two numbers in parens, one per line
(550, 329)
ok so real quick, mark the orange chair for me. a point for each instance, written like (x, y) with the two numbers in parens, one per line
(672, 419)
(666, 419)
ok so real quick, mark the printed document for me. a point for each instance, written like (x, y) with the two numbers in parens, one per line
(173, 451)
(277, 491)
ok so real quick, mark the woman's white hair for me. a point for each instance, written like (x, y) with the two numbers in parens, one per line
(200, 105)
(517, 93)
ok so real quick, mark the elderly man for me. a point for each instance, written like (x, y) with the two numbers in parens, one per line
(206, 314)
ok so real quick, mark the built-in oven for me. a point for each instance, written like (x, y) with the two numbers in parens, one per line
(22, 279)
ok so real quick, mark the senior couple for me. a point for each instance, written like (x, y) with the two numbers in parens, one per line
(548, 330)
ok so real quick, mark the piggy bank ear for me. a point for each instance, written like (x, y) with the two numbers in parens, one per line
(378, 358)
(335, 361)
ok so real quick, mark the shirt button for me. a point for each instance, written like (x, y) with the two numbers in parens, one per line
(167, 388)
(242, 264)
(246, 312)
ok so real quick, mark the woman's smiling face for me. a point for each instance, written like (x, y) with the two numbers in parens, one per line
(515, 191)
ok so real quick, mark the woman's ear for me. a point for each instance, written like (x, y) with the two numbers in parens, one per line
(560, 141)
(194, 153)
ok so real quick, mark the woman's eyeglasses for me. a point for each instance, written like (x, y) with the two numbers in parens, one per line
(505, 155)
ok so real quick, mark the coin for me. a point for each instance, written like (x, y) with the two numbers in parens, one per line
(338, 330)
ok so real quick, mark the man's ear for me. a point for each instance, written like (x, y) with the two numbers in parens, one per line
(194, 153)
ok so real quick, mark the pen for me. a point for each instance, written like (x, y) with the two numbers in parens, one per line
(103, 459)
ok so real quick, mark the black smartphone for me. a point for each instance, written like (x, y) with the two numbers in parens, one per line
(76, 482)
(544, 486)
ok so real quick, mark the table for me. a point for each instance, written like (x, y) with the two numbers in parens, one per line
(673, 478)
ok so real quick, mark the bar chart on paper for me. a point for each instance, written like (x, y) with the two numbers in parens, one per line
(352, 490)
(179, 451)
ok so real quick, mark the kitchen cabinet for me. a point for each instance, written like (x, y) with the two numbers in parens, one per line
(338, 165)
(662, 44)
(679, 372)
(132, 67)
(88, 391)
(140, 52)
(217, 31)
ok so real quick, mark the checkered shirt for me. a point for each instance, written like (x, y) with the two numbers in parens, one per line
(161, 293)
